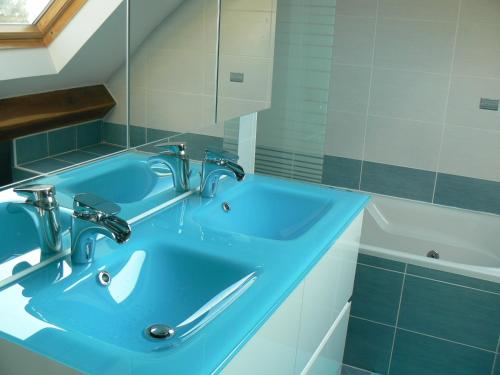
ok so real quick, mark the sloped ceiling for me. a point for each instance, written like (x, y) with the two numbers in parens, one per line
(102, 54)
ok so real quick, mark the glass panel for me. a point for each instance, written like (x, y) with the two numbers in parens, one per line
(24, 12)
(291, 135)
(173, 62)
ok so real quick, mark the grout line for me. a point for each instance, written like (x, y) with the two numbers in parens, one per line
(493, 367)
(447, 340)
(372, 321)
(453, 284)
(431, 279)
(447, 102)
(397, 321)
(367, 112)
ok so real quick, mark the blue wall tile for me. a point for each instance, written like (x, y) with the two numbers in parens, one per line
(368, 345)
(46, 165)
(469, 193)
(32, 148)
(197, 143)
(398, 181)
(89, 134)
(137, 135)
(376, 294)
(381, 262)
(416, 354)
(497, 366)
(157, 134)
(102, 149)
(76, 157)
(114, 133)
(62, 140)
(451, 312)
(454, 278)
(341, 172)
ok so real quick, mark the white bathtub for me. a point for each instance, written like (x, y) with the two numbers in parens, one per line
(468, 242)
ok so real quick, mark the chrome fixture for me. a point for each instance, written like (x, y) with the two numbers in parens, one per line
(433, 254)
(42, 207)
(160, 331)
(226, 207)
(92, 216)
(215, 165)
(104, 278)
(175, 157)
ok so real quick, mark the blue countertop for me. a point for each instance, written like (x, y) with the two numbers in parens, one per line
(279, 266)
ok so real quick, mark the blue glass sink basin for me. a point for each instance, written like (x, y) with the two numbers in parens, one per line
(262, 209)
(174, 287)
(126, 179)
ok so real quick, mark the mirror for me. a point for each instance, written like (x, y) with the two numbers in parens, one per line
(98, 60)
(246, 55)
(173, 62)
(80, 63)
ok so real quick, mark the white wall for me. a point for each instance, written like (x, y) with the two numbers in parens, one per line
(407, 79)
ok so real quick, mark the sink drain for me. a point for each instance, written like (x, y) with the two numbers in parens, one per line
(160, 331)
(433, 254)
(104, 278)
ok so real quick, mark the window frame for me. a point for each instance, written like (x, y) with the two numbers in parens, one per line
(45, 29)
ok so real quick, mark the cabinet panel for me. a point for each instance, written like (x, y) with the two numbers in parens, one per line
(272, 349)
(329, 360)
(326, 291)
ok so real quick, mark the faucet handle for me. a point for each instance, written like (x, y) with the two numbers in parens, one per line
(173, 148)
(215, 155)
(43, 196)
(90, 205)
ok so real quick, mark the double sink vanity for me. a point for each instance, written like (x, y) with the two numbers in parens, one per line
(152, 264)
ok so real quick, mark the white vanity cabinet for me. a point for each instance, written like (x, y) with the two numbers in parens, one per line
(306, 334)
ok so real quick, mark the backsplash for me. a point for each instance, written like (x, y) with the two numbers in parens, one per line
(403, 112)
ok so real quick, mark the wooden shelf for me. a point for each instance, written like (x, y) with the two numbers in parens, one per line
(35, 113)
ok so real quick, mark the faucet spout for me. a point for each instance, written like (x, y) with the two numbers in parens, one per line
(216, 165)
(42, 207)
(176, 159)
(92, 216)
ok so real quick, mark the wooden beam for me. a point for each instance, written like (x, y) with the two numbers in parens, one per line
(35, 113)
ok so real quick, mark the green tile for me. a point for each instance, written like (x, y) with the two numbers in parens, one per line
(157, 134)
(376, 294)
(115, 134)
(46, 165)
(341, 172)
(103, 149)
(197, 143)
(76, 157)
(451, 312)
(89, 134)
(454, 278)
(19, 175)
(398, 181)
(381, 262)
(62, 140)
(416, 354)
(368, 345)
(137, 135)
(497, 366)
(32, 148)
(468, 193)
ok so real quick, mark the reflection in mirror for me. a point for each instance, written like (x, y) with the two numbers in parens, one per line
(75, 59)
(247, 33)
(291, 134)
(172, 73)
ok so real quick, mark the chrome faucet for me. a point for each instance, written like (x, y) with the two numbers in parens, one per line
(41, 205)
(215, 165)
(175, 157)
(92, 216)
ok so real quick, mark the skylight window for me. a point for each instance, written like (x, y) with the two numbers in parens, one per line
(24, 12)
(34, 23)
